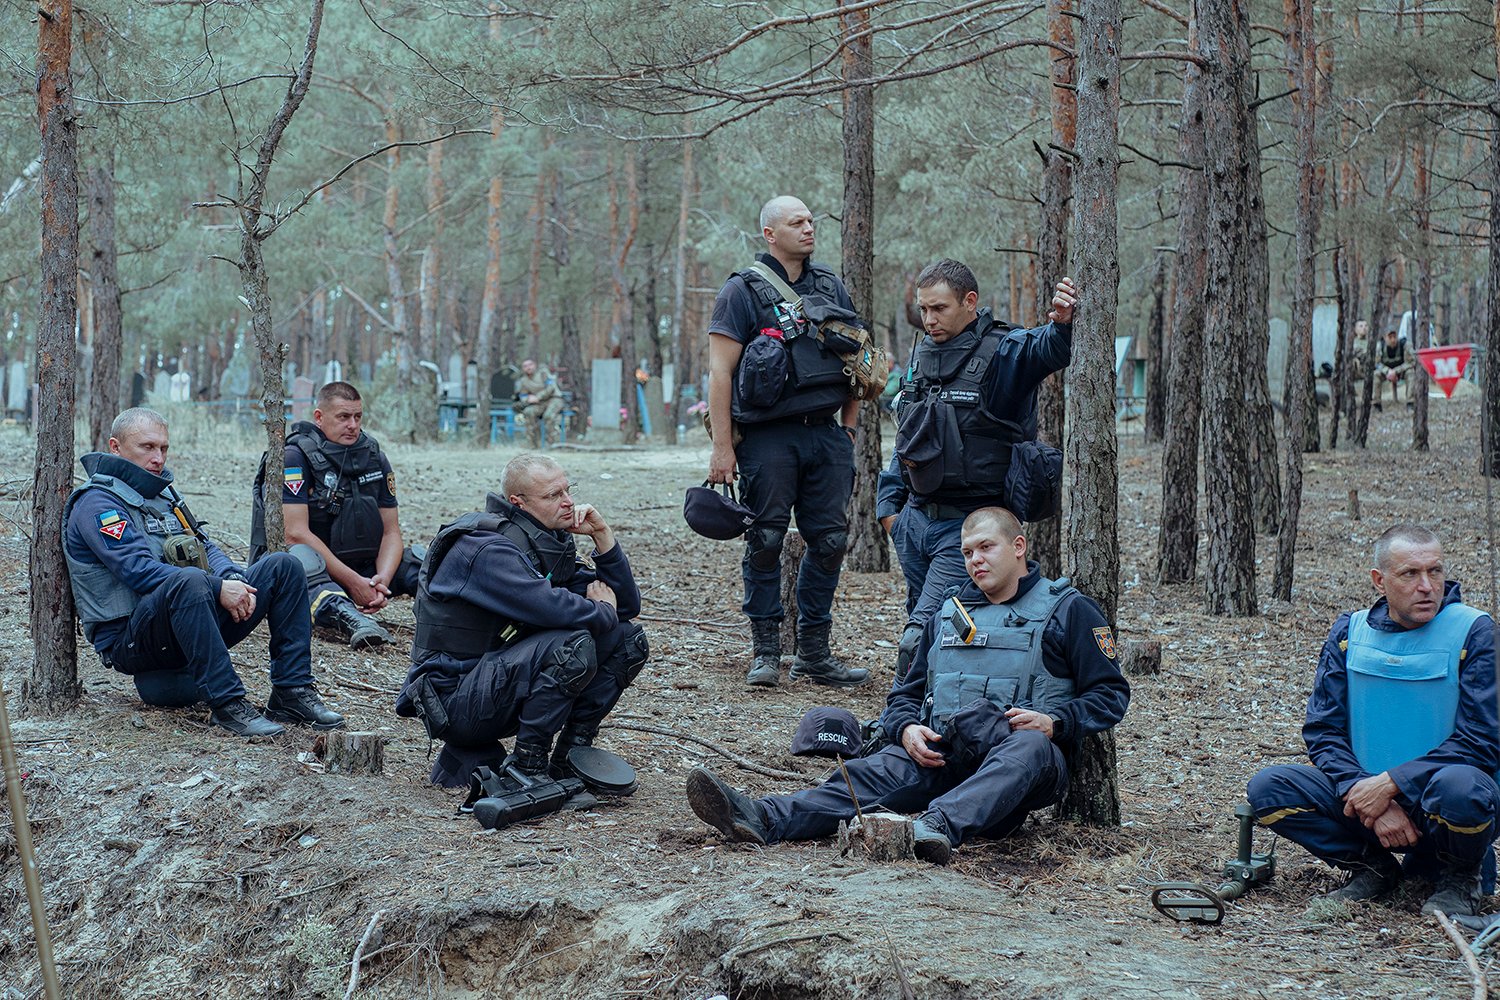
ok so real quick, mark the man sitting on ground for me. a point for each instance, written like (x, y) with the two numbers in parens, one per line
(1013, 672)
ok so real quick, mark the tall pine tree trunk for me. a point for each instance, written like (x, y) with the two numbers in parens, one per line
(487, 339)
(1093, 531)
(1380, 305)
(1224, 30)
(1421, 313)
(1265, 472)
(868, 550)
(681, 336)
(1302, 68)
(53, 683)
(1156, 390)
(1045, 536)
(1177, 532)
(109, 337)
(1489, 459)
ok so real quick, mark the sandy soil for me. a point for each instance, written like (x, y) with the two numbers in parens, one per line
(180, 862)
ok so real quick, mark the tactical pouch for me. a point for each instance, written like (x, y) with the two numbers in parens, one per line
(764, 369)
(1033, 484)
(185, 550)
(973, 731)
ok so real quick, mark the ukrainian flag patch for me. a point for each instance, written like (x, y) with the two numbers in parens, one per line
(293, 479)
(112, 524)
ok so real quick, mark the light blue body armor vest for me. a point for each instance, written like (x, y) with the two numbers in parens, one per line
(1003, 663)
(99, 595)
(1404, 686)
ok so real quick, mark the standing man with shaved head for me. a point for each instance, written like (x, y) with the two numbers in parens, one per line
(782, 413)
(1401, 730)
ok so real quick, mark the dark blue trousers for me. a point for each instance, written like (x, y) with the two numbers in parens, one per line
(1026, 771)
(179, 637)
(1456, 817)
(511, 692)
(931, 557)
(786, 466)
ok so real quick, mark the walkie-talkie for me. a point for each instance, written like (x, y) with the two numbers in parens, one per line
(962, 624)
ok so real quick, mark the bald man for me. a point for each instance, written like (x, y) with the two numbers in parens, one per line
(772, 382)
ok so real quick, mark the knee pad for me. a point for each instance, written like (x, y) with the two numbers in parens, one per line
(313, 566)
(906, 651)
(827, 551)
(572, 664)
(763, 548)
(625, 663)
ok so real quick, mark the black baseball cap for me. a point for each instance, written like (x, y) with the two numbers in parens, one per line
(827, 732)
(717, 515)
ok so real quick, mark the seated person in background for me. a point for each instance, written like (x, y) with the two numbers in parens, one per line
(540, 401)
(338, 497)
(1401, 729)
(515, 635)
(1391, 366)
(984, 722)
(161, 602)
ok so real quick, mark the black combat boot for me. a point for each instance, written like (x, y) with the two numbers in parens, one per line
(815, 663)
(362, 631)
(1457, 891)
(733, 813)
(569, 739)
(301, 706)
(930, 841)
(766, 671)
(530, 760)
(1376, 874)
(240, 717)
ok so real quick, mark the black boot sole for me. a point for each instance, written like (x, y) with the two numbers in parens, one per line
(825, 680)
(287, 718)
(709, 801)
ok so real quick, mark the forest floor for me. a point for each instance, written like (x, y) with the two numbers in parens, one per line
(179, 862)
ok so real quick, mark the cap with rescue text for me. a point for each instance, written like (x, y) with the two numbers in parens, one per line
(827, 732)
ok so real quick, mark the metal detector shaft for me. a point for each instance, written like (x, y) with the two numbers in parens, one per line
(27, 853)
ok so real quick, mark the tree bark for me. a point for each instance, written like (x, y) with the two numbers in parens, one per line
(487, 339)
(109, 340)
(255, 282)
(1421, 313)
(429, 341)
(622, 308)
(681, 337)
(868, 550)
(571, 347)
(1224, 30)
(1302, 69)
(1379, 306)
(1092, 511)
(1489, 457)
(1339, 391)
(53, 683)
(1177, 532)
(1265, 472)
(1045, 536)
(1156, 391)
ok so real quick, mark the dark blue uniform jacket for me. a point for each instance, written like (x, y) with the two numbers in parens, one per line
(1473, 742)
(1071, 647)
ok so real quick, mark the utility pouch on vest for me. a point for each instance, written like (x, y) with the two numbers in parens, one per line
(353, 534)
(185, 550)
(1033, 484)
(764, 369)
(839, 332)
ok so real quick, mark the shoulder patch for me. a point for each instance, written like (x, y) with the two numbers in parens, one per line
(292, 477)
(1106, 640)
(111, 523)
(390, 483)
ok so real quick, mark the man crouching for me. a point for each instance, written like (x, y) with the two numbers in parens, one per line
(1012, 673)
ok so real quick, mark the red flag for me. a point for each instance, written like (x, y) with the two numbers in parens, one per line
(1446, 364)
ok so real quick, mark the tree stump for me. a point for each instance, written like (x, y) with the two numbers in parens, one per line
(1354, 505)
(882, 836)
(1139, 657)
(354, 753)
(792, 550)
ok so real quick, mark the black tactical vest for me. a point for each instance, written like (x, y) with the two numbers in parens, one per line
(947, 383)
(343, 487)
(816, 380)
(464, 630)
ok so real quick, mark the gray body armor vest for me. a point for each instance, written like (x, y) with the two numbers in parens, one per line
(1003, 662)
(467, 631)
(99, 595)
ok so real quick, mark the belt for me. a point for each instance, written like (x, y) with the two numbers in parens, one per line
(943, 512)
(805, 419)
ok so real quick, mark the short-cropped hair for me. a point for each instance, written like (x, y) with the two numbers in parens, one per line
(955, 274)
(521, 472)
(137, 418)
(1008, 524)
(1406, 533)
(337, 390)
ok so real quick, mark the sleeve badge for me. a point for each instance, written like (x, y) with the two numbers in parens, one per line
(390, 483)
(112, 524)
(293, 480)
(1106, 640)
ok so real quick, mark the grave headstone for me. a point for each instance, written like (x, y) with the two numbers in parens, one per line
(471, 381)
(654, 416)
(181, 388)
(15, 388)
(502, 388)
(604, 411)
(302, 397)
(333, 371)
(137, 389)
(455, 375)
(161, 387)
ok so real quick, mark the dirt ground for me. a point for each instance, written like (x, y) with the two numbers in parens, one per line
(179, 862)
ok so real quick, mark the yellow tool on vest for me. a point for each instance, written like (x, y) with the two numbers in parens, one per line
(962, 623)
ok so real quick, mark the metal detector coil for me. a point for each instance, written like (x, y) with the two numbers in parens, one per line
(1199, 904)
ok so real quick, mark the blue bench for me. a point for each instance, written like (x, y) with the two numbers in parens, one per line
(503, 420)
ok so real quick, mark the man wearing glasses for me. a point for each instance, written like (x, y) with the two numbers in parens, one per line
(515, 636)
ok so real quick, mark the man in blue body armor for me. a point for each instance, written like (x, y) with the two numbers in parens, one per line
(1401, 729)
(1013, 673)
(161, 602)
